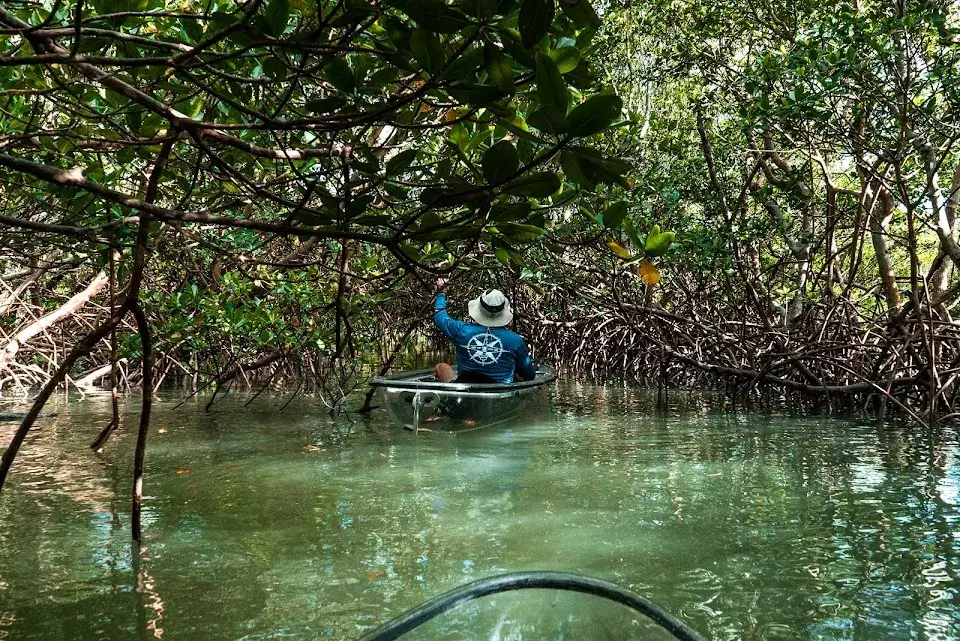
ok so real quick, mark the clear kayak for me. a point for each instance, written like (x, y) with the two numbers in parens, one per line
(418, 401)
(653, 620)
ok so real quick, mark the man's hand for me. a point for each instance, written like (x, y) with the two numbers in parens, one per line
(441, 286)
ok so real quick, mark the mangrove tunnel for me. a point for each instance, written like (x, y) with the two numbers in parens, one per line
(753, 201)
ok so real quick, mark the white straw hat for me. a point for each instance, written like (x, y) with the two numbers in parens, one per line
(491, 309)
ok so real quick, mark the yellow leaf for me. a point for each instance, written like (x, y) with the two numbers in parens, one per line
(618, 249)
(649, 272)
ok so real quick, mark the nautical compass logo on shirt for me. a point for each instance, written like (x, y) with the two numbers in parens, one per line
(484, 349)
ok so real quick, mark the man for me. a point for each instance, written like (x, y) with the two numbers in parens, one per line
(487, 352)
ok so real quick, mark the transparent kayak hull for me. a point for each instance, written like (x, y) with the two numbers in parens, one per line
(418, 401)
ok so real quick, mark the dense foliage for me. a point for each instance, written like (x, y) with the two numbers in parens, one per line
(313, 155)
(299, 173)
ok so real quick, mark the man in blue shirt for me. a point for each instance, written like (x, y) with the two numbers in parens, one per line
(487, 352)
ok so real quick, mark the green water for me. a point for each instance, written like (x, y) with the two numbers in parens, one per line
(263, 524)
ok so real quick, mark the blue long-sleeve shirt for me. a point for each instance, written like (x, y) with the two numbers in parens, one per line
(494, 351)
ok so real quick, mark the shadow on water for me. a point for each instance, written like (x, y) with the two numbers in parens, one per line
(267, 524)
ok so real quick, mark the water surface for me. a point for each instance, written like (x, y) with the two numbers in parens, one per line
(270, 524)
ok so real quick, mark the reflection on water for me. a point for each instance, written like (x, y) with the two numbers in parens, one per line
(267, 524)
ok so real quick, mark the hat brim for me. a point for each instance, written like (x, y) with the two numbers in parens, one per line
(478, 314)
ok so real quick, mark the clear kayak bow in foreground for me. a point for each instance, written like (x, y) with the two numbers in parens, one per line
(416, 617)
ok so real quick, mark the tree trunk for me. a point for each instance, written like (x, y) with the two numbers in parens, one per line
(754, 278)
(147, 395)
(90, 379)
(834, 273)
(939, 278)
(803, 260)
(878, 232)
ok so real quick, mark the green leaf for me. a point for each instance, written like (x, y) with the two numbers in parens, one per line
(275, 67)
(152, 124)
(480, 9)
(549, 119)
(507, 112)
(505, 212)
(193, 29)
(356, 8)
(498, 68)
(566, 58)
(125, 155)
(134, 119)
(397, 31)
(312, 219)
(465, 66)
(430, 220)
(502, 255)
(614, 214)
(278, 14)
(516, 260)
(617, 166)
(658, 244)
(383, 77)
(459, 136)
(339, 73)
(359, 205)
(449, 233)
(574, 170)
(372, 219)
(446, 196)
(400, 162)
(581, 13)
(510, 38)
(551, 89)
(632, 233)
(595, 115)
(474, 94)
(606, 173)
(325, 105)
(500, 162)
(435, 15)
(541, 184)
(427, 50)
(536, 16)
(369, 166)
(583, 77)
(520, 233)
(412, 251)
(396, 191)
(594, 167)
